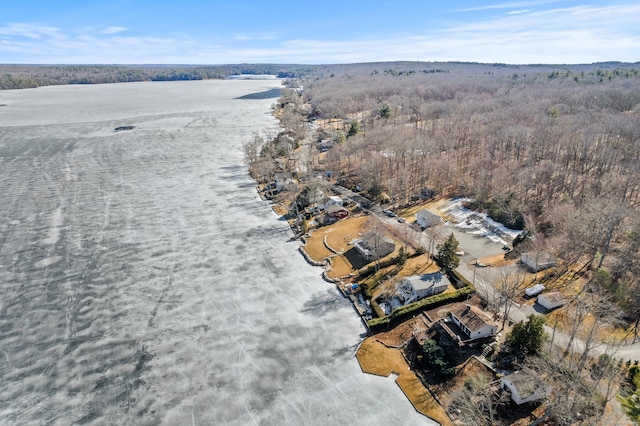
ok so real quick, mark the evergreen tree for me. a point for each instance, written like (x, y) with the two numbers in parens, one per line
(526, 338)
(447, 257)
(631, 404)
(354, 129)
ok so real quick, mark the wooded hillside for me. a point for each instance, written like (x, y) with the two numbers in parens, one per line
(553, 149)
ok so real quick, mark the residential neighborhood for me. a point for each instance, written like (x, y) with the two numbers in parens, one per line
(442, 286)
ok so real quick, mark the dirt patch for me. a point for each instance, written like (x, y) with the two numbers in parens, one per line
(279, 209)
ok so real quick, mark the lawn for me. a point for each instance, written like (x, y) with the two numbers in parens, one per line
(338, 237)
(376, 358)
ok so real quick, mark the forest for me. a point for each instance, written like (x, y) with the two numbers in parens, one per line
(551, 150)
(30, 76)
(555, 151)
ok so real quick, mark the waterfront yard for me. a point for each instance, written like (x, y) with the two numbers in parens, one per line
(377, 358)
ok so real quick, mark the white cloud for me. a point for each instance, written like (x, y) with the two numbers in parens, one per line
(579, 34)
(245, 37)
(32, 31)
(511, 5)
(114, 30)
(517, 12)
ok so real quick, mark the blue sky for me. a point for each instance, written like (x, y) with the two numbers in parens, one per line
(308, 32)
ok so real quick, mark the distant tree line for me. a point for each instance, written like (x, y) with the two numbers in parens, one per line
(30, 76)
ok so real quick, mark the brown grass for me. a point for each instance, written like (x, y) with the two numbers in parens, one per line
(338, 236)
(279, 209)
(339, 267)
(409, 213)
(376, 358)
(315, 247)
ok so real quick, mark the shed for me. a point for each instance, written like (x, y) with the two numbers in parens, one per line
(538, 261)
(551, 300)
(427, 219)
(524, 387)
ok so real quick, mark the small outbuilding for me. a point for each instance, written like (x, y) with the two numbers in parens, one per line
(538, 261)
(427, 219)
(524, 387)
(551, 300)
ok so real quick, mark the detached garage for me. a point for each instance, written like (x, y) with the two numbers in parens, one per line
(551, 300)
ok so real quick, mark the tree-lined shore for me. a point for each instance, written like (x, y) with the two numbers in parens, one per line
(551, 150)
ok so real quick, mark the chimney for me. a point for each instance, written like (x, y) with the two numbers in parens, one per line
(466, 309)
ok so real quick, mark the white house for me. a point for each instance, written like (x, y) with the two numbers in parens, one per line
(426, 219)
(282, 180)
(552, 300)
(332, 200)
(538, 261)
(417, 287)
(474, 322)
(523, 387)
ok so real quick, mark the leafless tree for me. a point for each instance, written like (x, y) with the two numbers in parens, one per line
(508, 282)
(477, 403)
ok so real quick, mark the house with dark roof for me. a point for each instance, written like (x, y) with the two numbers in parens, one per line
(373, 245)
(473, 321)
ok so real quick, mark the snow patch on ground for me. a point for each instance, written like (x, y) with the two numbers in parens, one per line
(476, 223)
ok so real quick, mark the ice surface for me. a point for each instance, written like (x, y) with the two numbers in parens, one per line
(144, 281)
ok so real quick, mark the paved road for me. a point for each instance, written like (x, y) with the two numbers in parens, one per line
(522, 312)
(516, 313)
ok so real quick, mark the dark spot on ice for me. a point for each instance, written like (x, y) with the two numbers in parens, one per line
(267, 94)
(267, 232)
(123, 128)
(347, 351)
(322, 303)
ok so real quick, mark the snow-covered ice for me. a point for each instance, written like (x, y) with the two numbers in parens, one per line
(144, 281)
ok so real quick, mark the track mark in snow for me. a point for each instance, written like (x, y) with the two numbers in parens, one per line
(47, 261)
(54, 227)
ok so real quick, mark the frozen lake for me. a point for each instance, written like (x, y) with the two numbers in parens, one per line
(145, 282)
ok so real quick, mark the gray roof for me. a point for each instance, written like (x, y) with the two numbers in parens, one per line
(427, 281)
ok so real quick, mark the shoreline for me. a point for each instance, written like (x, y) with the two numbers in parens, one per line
(370, 349)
